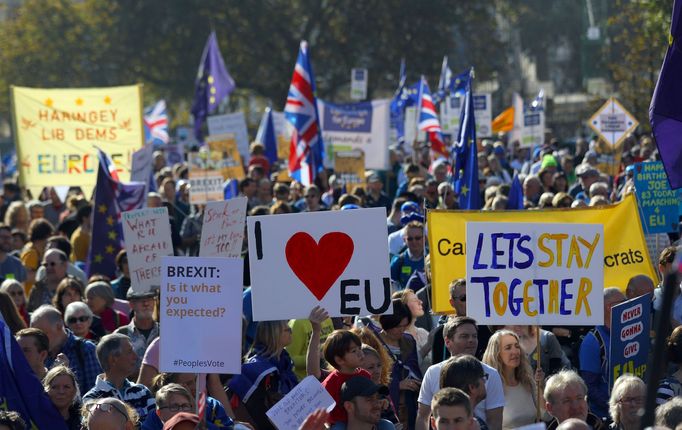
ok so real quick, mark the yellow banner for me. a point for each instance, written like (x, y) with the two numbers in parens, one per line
(625, 251)
(57, 131)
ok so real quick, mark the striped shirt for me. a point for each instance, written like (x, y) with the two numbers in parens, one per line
(136, 395)
(668, 388)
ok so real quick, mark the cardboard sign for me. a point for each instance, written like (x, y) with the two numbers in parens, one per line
(608, 157)
(352, 126)
(533, 132)
(659, 205)
(612, 122)
(337, 260)
(222, 232)
(535, 274)
(625, 250)
(305, 398)
(483, 113)
(142, 166)
(198, 296)
(205, 182)
(349, 168)
(358, 84)
(630, 338)
(231, 123)
(283, 130)
(225, 157)
(148, 238)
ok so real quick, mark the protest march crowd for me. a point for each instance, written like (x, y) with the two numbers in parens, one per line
(81, 345)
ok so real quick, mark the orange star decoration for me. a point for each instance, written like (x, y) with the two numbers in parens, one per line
(98, 258)
(79, 101)
(48, 102)
(109, 249)
(102, 208)
(107, 100)
(110, 220)
(112, 235)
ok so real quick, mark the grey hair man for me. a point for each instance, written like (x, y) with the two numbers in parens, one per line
(566, 397)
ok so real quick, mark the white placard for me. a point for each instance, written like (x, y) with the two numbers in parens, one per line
(222, 233)
(201, 314)
(142, 164)
(234, 123)
(483, 113)
(148, 238)
(336, 259)
(613, 122)
(305, 398)
(533, 132)
(358, 84)
(535, 274)
(347, 127)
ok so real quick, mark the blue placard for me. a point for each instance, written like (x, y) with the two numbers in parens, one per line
(351, 117)
(630, 337)
(659, 206)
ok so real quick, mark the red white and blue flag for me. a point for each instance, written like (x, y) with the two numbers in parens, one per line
(306, 148)
(156, 123)
(428, 119)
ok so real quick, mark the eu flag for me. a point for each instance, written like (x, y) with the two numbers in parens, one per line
(465, 175)
(213, 84)
(21, 390)
(515, 194)
(267, 137)
(665, 112)
(111, 199)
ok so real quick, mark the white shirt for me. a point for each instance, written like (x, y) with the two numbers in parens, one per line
(493, 386)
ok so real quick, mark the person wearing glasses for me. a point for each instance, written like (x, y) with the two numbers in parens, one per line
(79, 319)
(117, 357)
(566, 397)
(461, 337)
(412, 259)
(55, 263)
(171, 399)
(312, 202)
(109, 414)
(60, 385)
(627, 400)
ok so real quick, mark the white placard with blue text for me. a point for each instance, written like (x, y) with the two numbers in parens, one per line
(535, 274)
(304, 399)
(201, 315)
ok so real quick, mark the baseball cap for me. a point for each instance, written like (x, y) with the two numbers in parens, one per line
(586, 169)
(361, 386)
(182, 417)
(409, 207)
(373, 178)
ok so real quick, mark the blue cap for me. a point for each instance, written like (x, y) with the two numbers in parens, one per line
(349, 206)
(409, 207)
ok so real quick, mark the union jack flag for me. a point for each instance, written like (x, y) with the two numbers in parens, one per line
(428, 120)
(306, 148)
(156, 123)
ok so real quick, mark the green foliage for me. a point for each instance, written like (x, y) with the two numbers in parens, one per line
(61, 43)
(639, 38)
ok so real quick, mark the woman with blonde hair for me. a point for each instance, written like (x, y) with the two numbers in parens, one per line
(626, 404)
(17, 216)
(505, 355)
(61, 386)
(15, 290)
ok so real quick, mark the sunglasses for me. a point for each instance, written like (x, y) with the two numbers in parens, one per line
(74, 320)
(105, 407)
(460, 298)
(410, 239)
(50, 263)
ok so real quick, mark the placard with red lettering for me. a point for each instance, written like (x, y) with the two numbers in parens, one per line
(147, 238)
(630, 338)
(535, 274)
(334, 259)
(222, 232)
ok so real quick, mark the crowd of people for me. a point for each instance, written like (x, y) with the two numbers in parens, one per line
(93, 342)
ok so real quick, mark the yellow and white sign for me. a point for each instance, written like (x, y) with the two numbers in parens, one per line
(57, 131)
(625, 250)
(612, 122)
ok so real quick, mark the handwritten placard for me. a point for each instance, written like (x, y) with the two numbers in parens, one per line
(222, 233)
(630, 338)
(148, 238)
(528, 273)
(198, 295)
(307, 397)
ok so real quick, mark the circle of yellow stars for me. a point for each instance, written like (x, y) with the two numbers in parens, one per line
(49, 102)
(112, 235)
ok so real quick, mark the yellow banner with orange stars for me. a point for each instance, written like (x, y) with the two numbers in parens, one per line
(57, 131)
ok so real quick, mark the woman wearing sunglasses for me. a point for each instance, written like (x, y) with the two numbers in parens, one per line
(79, 319)
(109, 414)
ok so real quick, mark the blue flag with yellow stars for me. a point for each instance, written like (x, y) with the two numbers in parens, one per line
(465, 174)
(112, 197)
(213, 84)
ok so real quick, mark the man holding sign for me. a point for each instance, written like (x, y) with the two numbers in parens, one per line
(594, 357)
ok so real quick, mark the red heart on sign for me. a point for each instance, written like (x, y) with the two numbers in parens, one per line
(319, 265)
